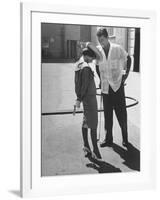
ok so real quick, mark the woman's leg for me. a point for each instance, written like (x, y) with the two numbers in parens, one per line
(86, 148)
(94, 143)
(85, 137)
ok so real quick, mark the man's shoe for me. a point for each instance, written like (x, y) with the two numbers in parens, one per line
(106, 143)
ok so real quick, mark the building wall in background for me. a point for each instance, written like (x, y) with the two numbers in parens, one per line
(59, 41)
(52, 40)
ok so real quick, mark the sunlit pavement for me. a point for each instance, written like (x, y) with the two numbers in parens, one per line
(61, 134)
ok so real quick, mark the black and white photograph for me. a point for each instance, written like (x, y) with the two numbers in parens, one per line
(80, 100)
(90, 99)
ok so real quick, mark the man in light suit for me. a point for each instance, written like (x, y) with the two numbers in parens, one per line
(113, 70)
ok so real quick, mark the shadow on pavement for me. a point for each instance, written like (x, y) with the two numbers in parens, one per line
(15, 192)
(101, 166)
(131, 156)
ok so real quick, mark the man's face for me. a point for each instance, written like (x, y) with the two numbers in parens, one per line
(103, 41)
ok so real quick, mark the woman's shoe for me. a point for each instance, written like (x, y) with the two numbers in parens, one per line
(96, 155)
(87, 152)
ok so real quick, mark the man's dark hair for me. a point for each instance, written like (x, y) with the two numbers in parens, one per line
(88, 52)
(102, 32)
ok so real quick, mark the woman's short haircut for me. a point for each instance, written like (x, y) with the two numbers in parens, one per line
(102, 32)
(88, 52)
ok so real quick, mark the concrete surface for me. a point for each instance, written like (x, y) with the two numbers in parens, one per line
(61, 134)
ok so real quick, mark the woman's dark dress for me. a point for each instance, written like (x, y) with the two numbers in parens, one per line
(89, 100)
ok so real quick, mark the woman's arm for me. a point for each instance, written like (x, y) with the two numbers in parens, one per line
(99, 57)
(85, 81)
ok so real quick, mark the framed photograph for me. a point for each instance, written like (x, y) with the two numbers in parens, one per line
(99, 140)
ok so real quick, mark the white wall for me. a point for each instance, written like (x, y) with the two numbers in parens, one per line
(9, 101)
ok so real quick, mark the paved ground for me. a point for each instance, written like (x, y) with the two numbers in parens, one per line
(61, 134)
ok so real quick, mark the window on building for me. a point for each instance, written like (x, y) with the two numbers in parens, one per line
(111, 31)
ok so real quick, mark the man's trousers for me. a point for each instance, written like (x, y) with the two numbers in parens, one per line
(115, 101)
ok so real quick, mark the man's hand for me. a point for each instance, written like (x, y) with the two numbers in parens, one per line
(124, 77)
(78, 103)
(93, 47)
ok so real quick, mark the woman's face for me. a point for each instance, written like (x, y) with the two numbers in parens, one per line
(88, 59)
